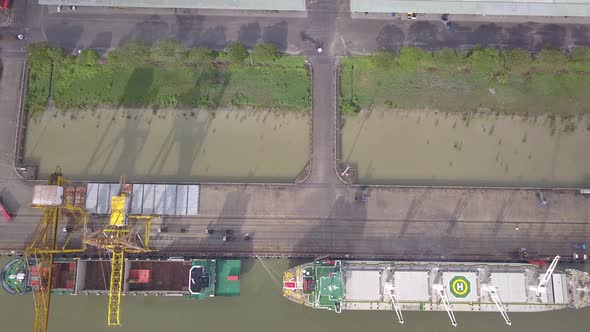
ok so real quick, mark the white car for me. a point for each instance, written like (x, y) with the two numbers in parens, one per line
(59, 8)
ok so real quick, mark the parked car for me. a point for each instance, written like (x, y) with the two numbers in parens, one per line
(227, 235)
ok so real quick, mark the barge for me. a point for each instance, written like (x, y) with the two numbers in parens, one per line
(194, 278)
(339, 285)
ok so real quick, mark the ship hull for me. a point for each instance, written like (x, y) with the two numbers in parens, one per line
(370, 285)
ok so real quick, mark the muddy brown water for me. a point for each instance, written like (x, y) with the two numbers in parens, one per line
(170, 145)
(261, 308)
(436, 148)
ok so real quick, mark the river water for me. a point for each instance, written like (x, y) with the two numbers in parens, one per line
(437, 148)
(170, 145)
(261, 308)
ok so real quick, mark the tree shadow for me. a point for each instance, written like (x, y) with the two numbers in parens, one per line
(277, 35)
(249, 34)
(139, 91)
(390, 37)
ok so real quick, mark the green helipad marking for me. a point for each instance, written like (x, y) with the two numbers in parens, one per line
(460, 286)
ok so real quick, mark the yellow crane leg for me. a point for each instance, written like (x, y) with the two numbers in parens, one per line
(116, 286)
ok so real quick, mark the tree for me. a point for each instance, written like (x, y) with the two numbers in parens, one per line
(237, 52)
(88, 57)
(265, 53)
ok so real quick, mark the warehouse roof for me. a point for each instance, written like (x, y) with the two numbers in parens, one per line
(295, 5)
(477, 7)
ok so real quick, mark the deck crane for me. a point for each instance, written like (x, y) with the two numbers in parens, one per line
(390, 290)
(542, 287)
(118, 237)
(493, 291)
(442, 293)
(43, 246)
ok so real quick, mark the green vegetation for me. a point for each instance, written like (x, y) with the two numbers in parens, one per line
(483, 79)
(166, 75)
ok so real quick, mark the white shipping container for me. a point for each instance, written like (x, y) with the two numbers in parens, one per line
(48, 195)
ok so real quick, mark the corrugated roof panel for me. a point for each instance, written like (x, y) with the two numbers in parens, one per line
(193, 200)
(137, 199)
(104, 199)
(91, 197)
(170, 204)
(181, 199)
(148, 199)
(159, 198)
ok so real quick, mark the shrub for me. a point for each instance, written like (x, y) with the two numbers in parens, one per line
(265, 53)
(237, 52)
(383, 58)
(133, 51)
(88, 57)
(447, 57)
(409, 57)
(517, 60)
(166, 49)
(201, 56)
(350, 106)
(552, 56)
(486, 61)
(581, 55)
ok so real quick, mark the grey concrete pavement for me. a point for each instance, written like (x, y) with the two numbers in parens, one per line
(395, 223)
(324, 108)
(14, 194)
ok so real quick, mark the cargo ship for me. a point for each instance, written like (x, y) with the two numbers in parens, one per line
(339, 285)
(195, 278)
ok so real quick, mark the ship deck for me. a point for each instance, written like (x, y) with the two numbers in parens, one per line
(365, 285)
(164, 275)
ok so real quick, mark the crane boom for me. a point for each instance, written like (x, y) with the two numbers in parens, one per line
(40, 251)
(116, 286)
(542, 288)
(390, 290)
(119, 237)
(493, 291)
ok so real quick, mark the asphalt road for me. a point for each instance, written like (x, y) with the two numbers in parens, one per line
(321, 215)
(327, 23)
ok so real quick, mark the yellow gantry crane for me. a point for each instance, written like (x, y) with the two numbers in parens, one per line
(118, 237)
(43, 246)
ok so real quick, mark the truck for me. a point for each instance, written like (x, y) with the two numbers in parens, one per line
(5, 4)
(5, 212)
